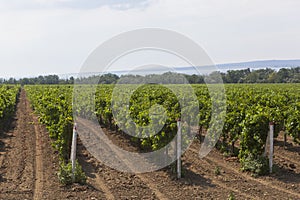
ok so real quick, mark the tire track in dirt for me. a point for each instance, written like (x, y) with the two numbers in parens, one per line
(269, 186)
(101, 184)
(119, 156)
(151, 185)
(202, 165)
(96, 181)
(38, 172)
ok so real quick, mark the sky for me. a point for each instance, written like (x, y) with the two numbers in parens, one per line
(57, 36)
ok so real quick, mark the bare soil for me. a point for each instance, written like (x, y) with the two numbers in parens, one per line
(201, 180)
(29, 165)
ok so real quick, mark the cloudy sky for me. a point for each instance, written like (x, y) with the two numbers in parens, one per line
(56, 36)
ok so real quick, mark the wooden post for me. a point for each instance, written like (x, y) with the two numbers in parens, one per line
(271, 146)
(73, 151)
(179, 149)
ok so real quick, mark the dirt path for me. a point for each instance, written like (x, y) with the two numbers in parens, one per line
(28, 163)
(39, 173)
(244, 182)
(18, 165)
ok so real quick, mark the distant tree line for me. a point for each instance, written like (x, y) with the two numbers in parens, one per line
(268, 75)
(49, 79)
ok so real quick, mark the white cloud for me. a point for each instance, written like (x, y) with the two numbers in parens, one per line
(56, 36)
(74, 4)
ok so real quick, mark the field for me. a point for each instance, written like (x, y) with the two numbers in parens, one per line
(36, 135)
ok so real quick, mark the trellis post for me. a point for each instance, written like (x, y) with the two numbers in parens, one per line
(271, 139)
(73, 151)
(179, 135)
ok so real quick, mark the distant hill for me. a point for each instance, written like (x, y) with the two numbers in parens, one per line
(261, 64)
(274, 64)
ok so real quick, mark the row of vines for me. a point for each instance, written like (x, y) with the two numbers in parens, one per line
(8, 100)
(249, 109)
(53, 104)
